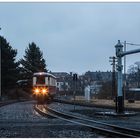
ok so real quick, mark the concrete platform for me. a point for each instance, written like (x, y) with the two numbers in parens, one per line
(124, 114)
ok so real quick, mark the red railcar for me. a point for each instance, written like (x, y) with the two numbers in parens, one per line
(44, 86)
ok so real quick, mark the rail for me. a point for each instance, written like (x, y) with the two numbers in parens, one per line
(103, 128)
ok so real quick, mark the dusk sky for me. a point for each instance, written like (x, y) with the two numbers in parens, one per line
(74, 37)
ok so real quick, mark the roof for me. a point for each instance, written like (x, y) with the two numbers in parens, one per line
(44, 74)
(60, 74)
(134, 89)
(20, 81)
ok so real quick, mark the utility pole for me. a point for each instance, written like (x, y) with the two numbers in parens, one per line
(75, 82)
(113, 60)
(124, 85)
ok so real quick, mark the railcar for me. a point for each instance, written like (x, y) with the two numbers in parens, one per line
(44, 86)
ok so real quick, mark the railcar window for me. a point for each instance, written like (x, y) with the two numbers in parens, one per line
(50, 81)
(40, 80)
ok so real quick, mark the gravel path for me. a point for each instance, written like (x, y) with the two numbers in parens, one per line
(19, 120)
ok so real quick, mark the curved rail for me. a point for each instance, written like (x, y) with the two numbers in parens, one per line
(104, 128)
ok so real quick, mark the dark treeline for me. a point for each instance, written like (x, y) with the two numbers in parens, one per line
(12, 70)
(133, 78)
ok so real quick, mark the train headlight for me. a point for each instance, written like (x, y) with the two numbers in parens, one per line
(44, 91)
(36, 90)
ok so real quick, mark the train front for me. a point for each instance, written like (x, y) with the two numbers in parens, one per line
(41, 86)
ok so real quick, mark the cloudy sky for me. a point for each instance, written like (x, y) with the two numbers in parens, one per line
(73, 36)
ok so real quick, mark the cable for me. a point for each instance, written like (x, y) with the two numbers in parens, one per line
(131, 44)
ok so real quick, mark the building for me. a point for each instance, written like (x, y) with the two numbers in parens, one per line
(95, 87)
(99, 76)
(62, 80)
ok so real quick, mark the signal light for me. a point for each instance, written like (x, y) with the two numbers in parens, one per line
(75, 77)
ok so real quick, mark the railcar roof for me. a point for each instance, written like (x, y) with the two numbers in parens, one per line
(134, 89)
(44, 74)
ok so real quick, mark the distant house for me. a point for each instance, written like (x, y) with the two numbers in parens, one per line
(95, 87)
(62, 82)
(62, 85)
(60, 74)
(98, 76)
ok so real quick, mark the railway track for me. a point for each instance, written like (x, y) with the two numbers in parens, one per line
(102, 128)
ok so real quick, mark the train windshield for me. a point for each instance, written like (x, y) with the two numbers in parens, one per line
(40, 80)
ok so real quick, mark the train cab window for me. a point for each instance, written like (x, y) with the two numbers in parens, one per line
(40, 80)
